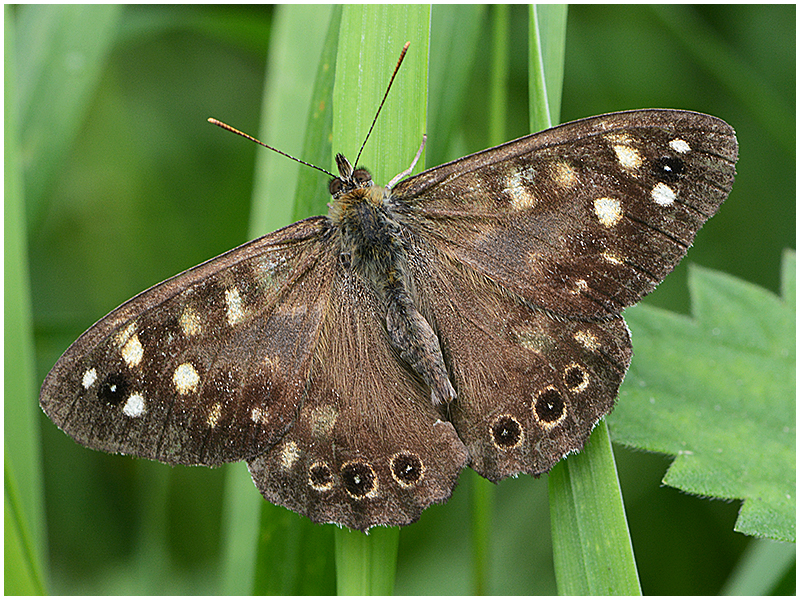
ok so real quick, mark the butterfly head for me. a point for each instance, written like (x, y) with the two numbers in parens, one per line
(349, 179)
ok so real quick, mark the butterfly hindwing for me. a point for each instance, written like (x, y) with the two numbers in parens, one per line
(179, 373)
(368, 447)
(530, 386)
(585, 218)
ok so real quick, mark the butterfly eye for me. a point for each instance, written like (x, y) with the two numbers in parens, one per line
(335, 187)
(362, 177)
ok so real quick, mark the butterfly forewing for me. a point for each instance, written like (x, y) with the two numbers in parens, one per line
(585, 218)
(204, 368)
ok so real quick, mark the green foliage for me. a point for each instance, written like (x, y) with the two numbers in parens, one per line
(717, 391)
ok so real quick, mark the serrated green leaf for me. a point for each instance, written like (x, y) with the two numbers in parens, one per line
(717, 391)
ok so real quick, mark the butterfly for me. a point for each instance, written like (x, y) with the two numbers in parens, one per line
(469, 315)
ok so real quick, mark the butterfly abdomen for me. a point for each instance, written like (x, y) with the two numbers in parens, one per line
(371, 240)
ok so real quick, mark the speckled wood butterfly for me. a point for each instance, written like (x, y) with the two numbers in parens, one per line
(466, 316)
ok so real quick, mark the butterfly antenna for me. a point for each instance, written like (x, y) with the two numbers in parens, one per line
(252, 139)
(396, 69)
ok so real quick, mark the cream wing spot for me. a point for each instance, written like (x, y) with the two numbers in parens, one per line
(608, 211)
(580, 286)
(123, 336)
(628, 157)
(532, 339)
(680, 146)
(663, 195)
(134, 405)
(521, 197)
(290, 454)
(132, 351)
(234, 306)
(89, 377)
(587, 339)
(185, 379)
(213, 415)
(564, 174)
(323, 420)
(190, 322)
(259, 415)
(614, 259)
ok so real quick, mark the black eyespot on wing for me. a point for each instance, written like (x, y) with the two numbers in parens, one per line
(359, 479)
(320, 476)
(549, 406)
(668, 169)
(113, 390)
(506, 432)
(406, 468)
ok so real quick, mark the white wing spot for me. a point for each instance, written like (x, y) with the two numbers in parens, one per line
(213, 415)
(608, 210)
(612, 258)
(521, 197)
(185, 379)
(680, 146)
(663, 195)
(289, 455)
(259, 415)
(586, 339)
(132, 351)
(134, 406)
(628, 157)
(580, 287)
(190, 322)
(89, 378)
(235, 306)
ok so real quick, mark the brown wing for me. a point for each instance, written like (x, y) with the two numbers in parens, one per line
(582, 219)
(530, 386)
(206, 367)
(368, 447)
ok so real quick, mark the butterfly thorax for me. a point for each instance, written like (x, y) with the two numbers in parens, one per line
(371, 247)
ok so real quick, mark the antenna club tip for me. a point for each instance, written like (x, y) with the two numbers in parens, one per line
(212, 120)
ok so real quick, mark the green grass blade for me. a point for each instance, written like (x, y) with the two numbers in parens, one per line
(452, 66)
(592, 550)
(24, 505)
(312, 194)
(298, 35)
(60, 64)
(761, 569)
(591, 543)
(547, 34)
(370, 41)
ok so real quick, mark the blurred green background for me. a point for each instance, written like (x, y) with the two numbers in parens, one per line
(140, 187)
